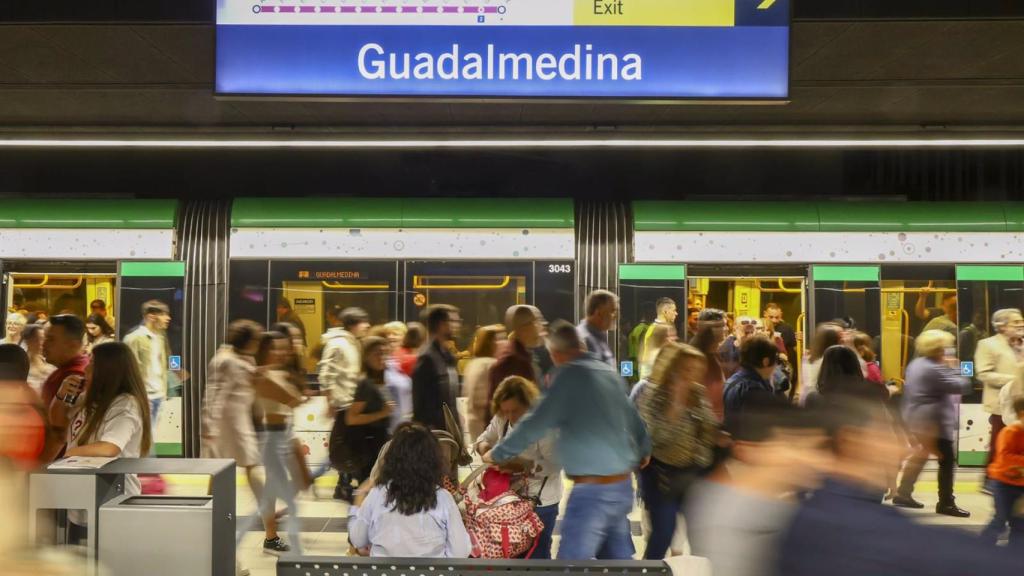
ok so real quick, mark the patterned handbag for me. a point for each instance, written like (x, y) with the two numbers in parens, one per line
(501, 523)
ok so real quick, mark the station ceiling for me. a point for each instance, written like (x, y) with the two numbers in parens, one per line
(869, 75)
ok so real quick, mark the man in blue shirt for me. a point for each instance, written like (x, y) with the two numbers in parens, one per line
(601, 441)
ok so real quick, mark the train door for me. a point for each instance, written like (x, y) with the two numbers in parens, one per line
(641, 288)
(163, 282)
(848, 295)
(768, 300)
(981, 290)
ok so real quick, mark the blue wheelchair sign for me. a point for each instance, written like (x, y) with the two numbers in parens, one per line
(626, 368)
(174, 362)
(967, 368)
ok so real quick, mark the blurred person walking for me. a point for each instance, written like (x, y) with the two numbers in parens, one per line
(929, 413)
(39, 368)
(525, 325)
(602, 312)
(97, 332)
(997, 364)
(25, 434)
(711, 331)
(844, 530)
(149, 344)
(338, 375)
(367, 420)
(477, 386)
(738, 515)
(683, 432)
(412, 342)
(512, 400)
(435, 381)
(1007, 473)
(601, 439)
(277, 397)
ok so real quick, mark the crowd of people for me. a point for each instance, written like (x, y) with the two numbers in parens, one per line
(765, 472)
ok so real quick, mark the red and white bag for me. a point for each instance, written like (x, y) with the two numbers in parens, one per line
(501, 523)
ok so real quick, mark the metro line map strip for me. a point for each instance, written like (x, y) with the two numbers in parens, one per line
(485, 12)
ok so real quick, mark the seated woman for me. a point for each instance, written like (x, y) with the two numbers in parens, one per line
(407, 514)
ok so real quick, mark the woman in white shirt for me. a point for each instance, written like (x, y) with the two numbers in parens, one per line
(512, 400)
(109, 414)
(407, 514)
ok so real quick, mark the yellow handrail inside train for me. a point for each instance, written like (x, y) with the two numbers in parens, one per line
(906, 343)
(417, 284)
(46, 283)
(781, 289)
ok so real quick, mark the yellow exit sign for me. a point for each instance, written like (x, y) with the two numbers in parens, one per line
(654, 12)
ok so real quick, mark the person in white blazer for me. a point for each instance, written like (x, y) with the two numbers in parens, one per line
(997, 364)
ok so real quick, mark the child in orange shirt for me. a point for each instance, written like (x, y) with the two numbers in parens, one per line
(1007, 470)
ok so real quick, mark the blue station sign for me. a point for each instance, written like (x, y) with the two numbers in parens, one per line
(619, 49)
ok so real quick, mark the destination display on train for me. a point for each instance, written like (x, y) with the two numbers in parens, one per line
(620, 49)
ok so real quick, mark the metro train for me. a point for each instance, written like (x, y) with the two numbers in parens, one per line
(886, 267)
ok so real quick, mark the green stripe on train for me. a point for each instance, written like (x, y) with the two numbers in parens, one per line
(835, 216)
(652, 272)
(171, 269)
(168, 449)
(846, 273)
(402, 213)
(89, 213)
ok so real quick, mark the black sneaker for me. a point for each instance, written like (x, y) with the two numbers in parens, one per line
(906, 502)
(952, 510)
(275, 547)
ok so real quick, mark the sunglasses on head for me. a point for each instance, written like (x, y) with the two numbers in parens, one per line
(748, 322)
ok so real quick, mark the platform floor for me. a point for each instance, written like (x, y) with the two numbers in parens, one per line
(323, 520)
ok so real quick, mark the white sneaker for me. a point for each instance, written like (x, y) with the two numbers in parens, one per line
(240, 570)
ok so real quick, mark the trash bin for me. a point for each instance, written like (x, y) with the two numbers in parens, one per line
(156, 535)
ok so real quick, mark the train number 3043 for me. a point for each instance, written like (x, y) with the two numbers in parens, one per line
(559, 268)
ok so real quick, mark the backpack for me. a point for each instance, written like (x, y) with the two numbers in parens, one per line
(501, 523)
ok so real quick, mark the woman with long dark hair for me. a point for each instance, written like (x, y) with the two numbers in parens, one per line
(826, 335)
(711, 332)
(407, 514)
(97, 331)
(106, 412)
(368, 417)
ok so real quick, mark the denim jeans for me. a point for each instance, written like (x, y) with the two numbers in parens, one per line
(277, 455)
(549, 516)
(596, 520)
(663, 510)
(1005, 496)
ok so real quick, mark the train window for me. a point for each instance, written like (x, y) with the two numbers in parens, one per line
(981, 291)
(310, 294)
(40, 295)
(913, 299)
(481, 291)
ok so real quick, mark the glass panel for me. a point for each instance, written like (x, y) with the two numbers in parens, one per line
(909, 307)
(855, 304)
(170, 290)
(637, 315)
(248, 291)
(309, 295)
(481, 291)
